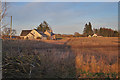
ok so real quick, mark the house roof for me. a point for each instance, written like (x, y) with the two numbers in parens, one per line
(51, 33)
(25, 32)
(40, 32)
(94, 34)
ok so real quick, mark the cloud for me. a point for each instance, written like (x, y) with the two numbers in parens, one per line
(63, 17)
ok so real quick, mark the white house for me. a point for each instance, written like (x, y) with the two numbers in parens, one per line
(50, 34)
(33, 34)
(24, 33)
(89, 36)
(94, 35)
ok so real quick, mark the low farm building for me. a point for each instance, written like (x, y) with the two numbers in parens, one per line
(8, 37)
(95, 35)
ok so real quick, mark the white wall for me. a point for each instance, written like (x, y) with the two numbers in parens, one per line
(35, 33)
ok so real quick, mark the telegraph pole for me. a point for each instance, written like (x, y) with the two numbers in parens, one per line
(11, 29)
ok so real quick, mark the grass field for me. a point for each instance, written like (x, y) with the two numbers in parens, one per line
(68, 58)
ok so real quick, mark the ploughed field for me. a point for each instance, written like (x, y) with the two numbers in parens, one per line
(69, 58)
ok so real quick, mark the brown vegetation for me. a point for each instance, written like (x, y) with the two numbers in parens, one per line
(96, 56)
(70, 58)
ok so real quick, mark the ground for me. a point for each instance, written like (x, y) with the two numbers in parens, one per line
(69, 58)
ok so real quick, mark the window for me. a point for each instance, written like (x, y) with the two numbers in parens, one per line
(33, 32)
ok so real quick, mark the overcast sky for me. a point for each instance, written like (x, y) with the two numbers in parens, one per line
(63, 17)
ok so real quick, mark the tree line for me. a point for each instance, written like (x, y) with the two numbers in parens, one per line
(105, 32)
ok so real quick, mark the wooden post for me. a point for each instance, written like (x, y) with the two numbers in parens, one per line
(11, 29)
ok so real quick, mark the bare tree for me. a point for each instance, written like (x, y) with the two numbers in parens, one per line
(4, 9)
(6, 31)
(3, 13)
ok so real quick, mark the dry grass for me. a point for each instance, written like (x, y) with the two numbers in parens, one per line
(37, 60)
(76, 57)
(96, 55)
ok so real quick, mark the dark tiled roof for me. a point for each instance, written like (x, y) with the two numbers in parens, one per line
(25, 32)
(40, 32)
(51, 33)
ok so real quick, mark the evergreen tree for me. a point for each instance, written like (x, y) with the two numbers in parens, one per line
(88, 30)
(40, 27)
(43, 26)
(85, 30)
(95, 31)
(116, 34)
